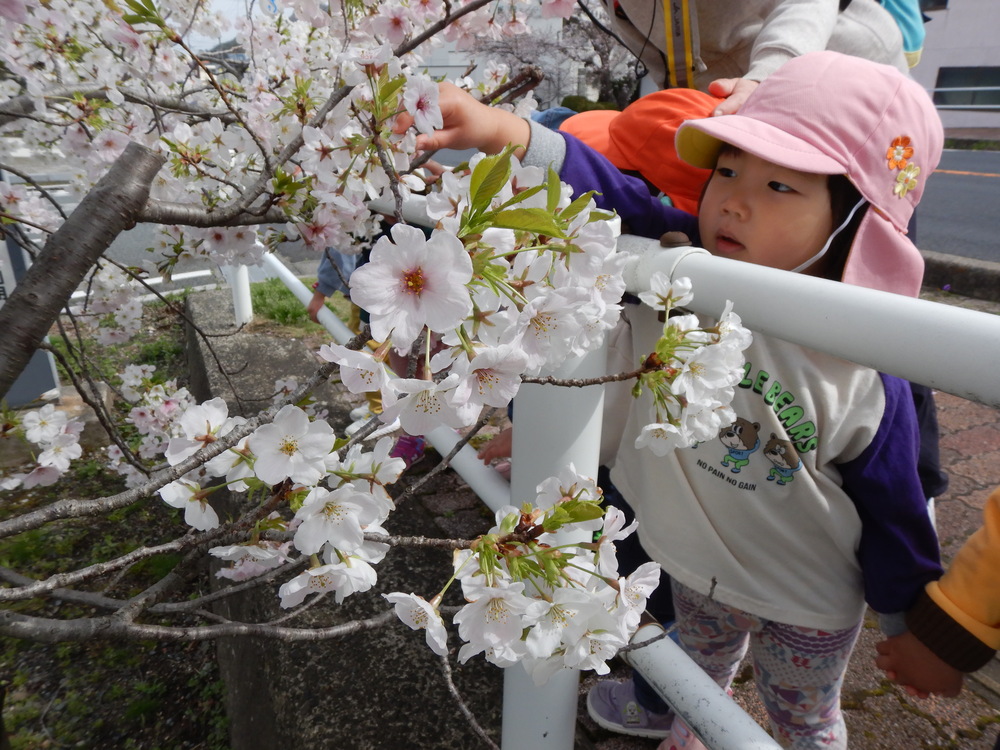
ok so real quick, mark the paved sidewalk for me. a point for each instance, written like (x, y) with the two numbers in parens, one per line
(879, 715)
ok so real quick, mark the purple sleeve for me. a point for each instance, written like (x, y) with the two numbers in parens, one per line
(643, 214)
(898, 551)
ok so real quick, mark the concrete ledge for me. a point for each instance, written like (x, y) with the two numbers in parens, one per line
(381, 689)
(967, 277)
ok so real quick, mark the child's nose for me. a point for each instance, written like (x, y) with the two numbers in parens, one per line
(736, 204)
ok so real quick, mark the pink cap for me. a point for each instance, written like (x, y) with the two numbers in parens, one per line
(829, 113)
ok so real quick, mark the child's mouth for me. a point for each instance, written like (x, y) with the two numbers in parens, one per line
(727, 245)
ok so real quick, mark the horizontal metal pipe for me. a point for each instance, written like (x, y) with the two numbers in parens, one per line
(334, 325)
(941, 346)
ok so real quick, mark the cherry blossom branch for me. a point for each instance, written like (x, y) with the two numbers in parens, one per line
(187, 543)
(518, 86)
(223, 94)
(584, 382)
(102, 601)
(446, 460)
(254, 191)
(22, 106)
(89, 397)
(179, 312)
(47, 630)
(37, 186)
(84, 508)
(193, 215)
(394, 540)
(445, 664)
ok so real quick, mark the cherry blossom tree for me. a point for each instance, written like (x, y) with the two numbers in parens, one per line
(584, 49)
(231, 160)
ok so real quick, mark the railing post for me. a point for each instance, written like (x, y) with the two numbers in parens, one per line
(238, 278)
(553, 426)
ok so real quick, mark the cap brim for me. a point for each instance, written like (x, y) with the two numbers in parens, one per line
(698, 143)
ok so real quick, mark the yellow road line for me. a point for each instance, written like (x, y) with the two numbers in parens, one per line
(973, 174)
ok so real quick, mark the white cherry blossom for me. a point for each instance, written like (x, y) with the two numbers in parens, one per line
(291, 447)
(419, 614)
(411, 282)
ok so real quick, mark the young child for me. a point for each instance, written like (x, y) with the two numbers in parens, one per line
(778, 551)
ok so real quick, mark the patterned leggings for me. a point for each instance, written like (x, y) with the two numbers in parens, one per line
(798, 671)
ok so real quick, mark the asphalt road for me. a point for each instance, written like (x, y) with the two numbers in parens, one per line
(959, 213)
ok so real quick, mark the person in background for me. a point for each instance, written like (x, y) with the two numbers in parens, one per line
(727, 47)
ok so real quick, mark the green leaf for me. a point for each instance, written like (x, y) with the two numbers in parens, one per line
(489, 176)
(143, 11)
(554, 191)
(536, 220)
(569, 213)
(388, 90)
(523, 196)
(572, 511)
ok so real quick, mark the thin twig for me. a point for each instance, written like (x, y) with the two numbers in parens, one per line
(446, 461)
(583, 382)
(463, 706)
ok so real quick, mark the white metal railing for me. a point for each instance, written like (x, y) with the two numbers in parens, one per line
(944, 347)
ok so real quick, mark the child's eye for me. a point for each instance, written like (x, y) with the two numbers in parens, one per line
(780, 187)
(725, 172)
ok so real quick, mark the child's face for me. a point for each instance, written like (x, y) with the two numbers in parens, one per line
(758, 212)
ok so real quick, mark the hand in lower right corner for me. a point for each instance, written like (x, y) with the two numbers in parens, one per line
(909, 663)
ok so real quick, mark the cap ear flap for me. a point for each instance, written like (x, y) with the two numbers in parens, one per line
(881, 257)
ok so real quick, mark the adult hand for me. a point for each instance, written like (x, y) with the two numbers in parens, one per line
(468, 123)
(735, 91)
(908, 662)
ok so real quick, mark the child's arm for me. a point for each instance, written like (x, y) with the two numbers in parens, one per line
(469, 123)
(499, 447)
(898, 551)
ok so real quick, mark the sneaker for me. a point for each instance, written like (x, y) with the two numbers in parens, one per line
(614, 707)
(410, 448)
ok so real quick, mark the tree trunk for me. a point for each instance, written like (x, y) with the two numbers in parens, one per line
(109, 208)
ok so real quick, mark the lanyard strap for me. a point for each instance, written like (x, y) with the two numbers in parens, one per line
(681, 35)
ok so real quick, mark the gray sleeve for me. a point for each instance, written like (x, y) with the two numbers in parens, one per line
(546, 148)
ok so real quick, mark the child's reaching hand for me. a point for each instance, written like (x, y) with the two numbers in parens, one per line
(468, 123)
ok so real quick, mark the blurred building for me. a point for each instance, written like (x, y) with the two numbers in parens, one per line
(961, 61)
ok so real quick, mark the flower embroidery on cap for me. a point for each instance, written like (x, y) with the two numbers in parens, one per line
(906, 180)
(899, 152)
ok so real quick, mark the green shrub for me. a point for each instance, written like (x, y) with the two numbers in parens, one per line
(583, 104)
